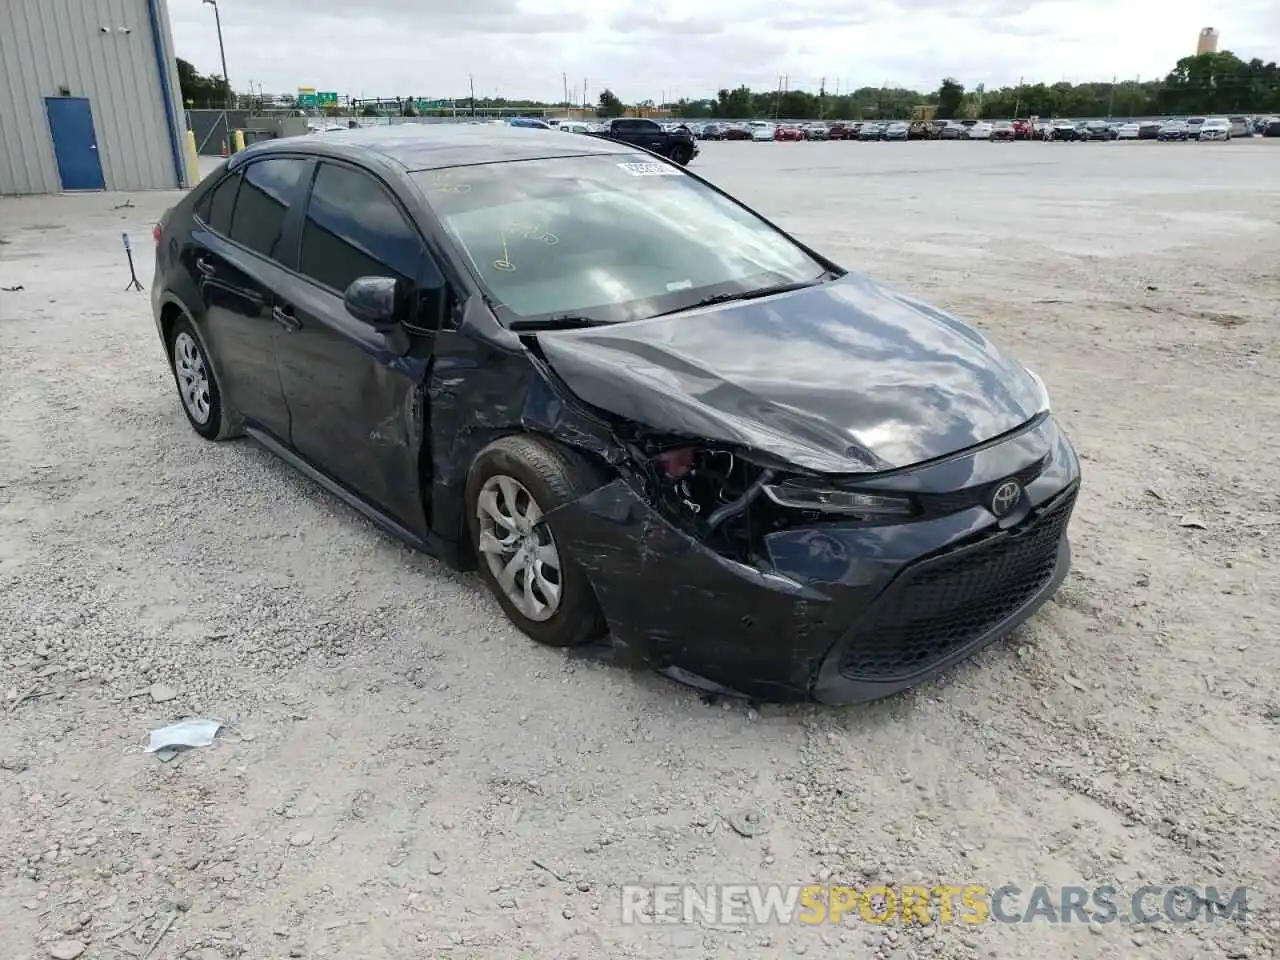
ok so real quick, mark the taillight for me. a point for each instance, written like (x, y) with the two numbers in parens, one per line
(155, 234)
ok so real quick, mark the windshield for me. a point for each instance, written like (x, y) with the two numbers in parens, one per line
(612, 238)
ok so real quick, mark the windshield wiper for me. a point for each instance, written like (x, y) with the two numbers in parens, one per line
(748, 294)
(564, 322)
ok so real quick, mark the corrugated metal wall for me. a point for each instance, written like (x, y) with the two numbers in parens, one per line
(48, 45)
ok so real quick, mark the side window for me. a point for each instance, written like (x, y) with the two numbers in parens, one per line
(354, 229)
(215, 209)
(645, 126)
(263, 203)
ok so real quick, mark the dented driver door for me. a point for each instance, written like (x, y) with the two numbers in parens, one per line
(356, 402)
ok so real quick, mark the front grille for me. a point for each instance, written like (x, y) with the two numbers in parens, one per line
(939, 606)
(941, 504)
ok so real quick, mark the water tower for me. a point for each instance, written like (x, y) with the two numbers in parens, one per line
(1208, 41)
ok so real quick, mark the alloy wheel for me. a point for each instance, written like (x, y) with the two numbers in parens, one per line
(193, 377)
(518, 547)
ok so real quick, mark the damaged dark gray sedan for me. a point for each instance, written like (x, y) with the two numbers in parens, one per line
(643, 411)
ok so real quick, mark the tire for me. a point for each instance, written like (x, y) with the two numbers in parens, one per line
(682, 155)
(200, 398)
(550, 476)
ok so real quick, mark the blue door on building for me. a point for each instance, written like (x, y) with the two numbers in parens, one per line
(75, 145)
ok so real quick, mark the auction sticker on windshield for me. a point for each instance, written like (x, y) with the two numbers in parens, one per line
(650, 170)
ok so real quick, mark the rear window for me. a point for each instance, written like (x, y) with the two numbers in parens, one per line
(219, 204)
(263, 203)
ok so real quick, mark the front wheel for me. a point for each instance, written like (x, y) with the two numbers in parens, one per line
(682, 155)
(513, 483)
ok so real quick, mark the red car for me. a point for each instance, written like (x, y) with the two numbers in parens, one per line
(841, 131)
(788, 133)
(1023, 130)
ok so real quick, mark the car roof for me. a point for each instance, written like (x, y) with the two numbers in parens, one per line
(421, 146)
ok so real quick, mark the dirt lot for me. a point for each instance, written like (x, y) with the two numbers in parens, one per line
(399, 757)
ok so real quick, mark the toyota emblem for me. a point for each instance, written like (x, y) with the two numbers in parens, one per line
(1005, 497)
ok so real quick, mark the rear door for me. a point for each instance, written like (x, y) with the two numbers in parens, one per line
(240, 253)
(358, 414)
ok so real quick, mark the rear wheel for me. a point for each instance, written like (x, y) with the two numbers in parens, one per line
(197, 385)
(513, 484)
(682, 154)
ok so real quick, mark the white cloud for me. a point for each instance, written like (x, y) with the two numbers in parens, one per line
(526, 48)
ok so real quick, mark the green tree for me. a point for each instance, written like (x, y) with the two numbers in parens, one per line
(950, 99)
(609, 105)
(199, 90)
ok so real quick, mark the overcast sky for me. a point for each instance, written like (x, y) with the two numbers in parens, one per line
(523, 48)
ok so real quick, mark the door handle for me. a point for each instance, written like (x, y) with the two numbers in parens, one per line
(205, 267)
(285, 318)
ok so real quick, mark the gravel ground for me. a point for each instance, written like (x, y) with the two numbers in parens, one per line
(397, 757)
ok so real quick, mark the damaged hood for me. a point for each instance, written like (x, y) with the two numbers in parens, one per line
(845, 377)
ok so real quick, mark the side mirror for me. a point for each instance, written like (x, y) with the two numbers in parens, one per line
(377, 301)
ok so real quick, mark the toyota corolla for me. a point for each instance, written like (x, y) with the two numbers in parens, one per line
(642, 410)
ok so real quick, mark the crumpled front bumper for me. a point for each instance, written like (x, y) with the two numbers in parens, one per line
(835, 612)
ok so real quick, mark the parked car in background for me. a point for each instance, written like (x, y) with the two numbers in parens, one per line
(1128, 131)
(871, 131)
(641, 410)
(788, 133)
(1096, 130)
(980, 130)
(735, 131)
(1215, 128)
(532, 123)
(950, 130)
(1174, 130)
(1240, 126)
(816, 131)
(897, 131)
(840, 130)
(1002, 130)
(1149, 129)
(676, 145)
(576, 126)
(1065, 130)
(761, 130)
(1270, 127)
(1022, 129)
(710, 131)
(1193, 127)
(919, 130)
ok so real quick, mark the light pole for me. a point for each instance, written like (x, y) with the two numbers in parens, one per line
(222, 51)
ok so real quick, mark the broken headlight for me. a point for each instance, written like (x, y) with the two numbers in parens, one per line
(825, 499)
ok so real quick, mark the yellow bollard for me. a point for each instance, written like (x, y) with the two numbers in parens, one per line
(193, 160)
(239, 141)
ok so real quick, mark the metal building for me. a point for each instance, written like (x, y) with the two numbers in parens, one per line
(89, 97)
(1208, 42)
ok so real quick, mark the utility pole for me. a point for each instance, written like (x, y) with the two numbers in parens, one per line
(222, 51)
(777, 101)
(472, 81)
(822, 97)
(1111, 98)
(584, 93)
(565, 78)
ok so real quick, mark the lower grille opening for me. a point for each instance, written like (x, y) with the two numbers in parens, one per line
(943, 604)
